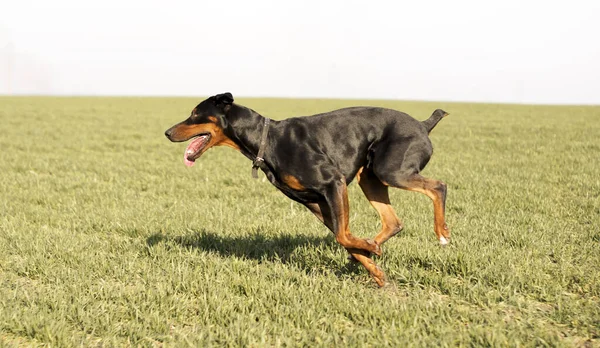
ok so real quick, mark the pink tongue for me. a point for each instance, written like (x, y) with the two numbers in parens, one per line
(192, 148)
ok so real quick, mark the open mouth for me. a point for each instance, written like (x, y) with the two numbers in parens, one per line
(195, 148)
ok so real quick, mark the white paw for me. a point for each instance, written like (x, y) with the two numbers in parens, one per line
(443, 240)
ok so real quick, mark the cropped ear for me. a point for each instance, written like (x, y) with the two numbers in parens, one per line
(225, 98)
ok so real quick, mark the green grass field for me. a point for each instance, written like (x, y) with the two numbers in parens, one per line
(107, 239)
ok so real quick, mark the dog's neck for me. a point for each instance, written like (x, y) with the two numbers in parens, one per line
(245, 127)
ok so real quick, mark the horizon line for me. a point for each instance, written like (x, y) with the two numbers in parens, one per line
(25, 95)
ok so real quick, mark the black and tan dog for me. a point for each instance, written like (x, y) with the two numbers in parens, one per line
(313, 159)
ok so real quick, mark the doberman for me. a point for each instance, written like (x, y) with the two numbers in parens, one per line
(313, 159)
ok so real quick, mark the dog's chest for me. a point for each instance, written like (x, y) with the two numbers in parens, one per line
(292, 187)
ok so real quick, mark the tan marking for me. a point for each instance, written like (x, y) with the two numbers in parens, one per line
(360, 170)
(371, 266)
(343, 234)
(213, 119)
(377, 194)
(183, 132)
(358, 255)
(292, 182)
(430, 188)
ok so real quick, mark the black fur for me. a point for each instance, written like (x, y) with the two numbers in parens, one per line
(311, 159)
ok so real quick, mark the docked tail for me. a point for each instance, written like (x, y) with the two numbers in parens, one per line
(434, 119)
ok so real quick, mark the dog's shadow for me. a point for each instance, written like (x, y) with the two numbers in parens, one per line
(318, 251)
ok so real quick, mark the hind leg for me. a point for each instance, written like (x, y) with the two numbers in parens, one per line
(402, 171)
(377, 194)
(436, 190)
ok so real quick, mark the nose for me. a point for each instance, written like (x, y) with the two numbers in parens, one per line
(168, 133)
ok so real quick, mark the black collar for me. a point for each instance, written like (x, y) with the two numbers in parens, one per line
(259, 160)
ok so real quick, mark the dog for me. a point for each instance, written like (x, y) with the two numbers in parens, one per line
(313, 159)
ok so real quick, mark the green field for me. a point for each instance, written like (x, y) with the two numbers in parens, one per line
(107, 239)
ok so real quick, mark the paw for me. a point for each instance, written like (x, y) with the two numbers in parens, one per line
(379, 277)
(374, 247)
(444, 241)
(398, 228)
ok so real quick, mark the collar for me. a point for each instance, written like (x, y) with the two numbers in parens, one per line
(259, 160)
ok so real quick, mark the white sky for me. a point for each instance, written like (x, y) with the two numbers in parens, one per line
(523, 51)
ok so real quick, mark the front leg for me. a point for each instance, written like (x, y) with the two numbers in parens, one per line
(336, 196)
(321, 211)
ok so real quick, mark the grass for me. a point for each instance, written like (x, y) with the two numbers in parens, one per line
(106, 238)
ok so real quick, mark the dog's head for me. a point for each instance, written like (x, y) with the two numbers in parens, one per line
(205, 125)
